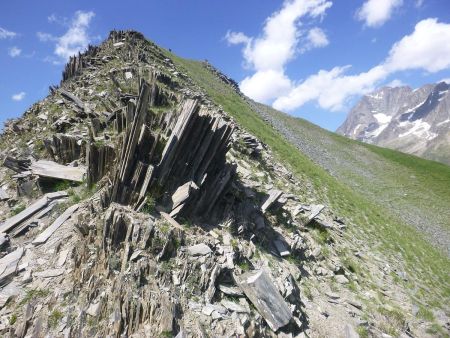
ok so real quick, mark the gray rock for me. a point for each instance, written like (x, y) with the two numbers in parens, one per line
(94, 309)
(182, 193)
(332, 295)
(262, 292)
(31, 210)
(50, 169)
(274, 195)
(349, 332)
(282, 248)
(232, 306)
(45, 235)
(9, 264)
(341, 279)
(50, 273)
(231, 290)
(3, 195)
(199, 250)
(208, 309)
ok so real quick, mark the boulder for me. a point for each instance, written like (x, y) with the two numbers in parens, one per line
(199, 250)
(262, 292)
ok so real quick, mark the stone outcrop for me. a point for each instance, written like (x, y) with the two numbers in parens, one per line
(77, 63)
(64, 148)
(99, 161)
(198, 139)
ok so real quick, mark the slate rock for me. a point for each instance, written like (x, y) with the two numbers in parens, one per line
(262, 292)
(199, 250)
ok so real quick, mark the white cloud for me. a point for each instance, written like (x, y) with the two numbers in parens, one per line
(265, 85)
(235, 38)
(375, 13)
(316, 38)
(419, 3)
(396, 83)
(52, 18)
(14, 51)
(44, 37)
(19, 96)
(446, 80)
(428, 48)
(76, 37)
(6, 34)
(269, 53)
(331, 89)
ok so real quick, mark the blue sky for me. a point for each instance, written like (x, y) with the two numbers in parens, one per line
(311, 58)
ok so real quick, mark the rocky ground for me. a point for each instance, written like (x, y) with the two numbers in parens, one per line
(132, 205)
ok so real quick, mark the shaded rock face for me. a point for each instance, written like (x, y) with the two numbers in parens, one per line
(195, 151)
(413, 121)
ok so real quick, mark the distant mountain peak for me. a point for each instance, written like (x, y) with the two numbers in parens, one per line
(415, 121)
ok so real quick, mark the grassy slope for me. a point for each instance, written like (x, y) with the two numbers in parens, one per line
(417, 189)
(427, 266)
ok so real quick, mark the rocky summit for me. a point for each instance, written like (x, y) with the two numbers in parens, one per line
(413, 121)
(136, 202)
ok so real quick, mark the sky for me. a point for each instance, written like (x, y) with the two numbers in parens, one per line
(310, 58)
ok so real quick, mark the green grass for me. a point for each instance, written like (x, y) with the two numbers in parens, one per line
(379, 227)
(32, 294)
(363, 332)
(425, 313)
(12, 319)
(17, 209)
(54, 318)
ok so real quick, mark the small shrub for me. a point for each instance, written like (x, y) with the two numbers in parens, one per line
(363, 332)
(244, 265)
(34, 293)
(307, 292)
(19, 208)
(12, 319)
(54, 318)
(149, 206)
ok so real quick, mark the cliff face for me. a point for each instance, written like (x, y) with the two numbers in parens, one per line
(413, 121)
(132, 204)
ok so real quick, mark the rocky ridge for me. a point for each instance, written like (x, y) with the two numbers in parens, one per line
(183, 224)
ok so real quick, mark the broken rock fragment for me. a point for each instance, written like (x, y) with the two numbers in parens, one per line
(45, 235)
(52, 169)
(199, 250)
(31, 210)
(9, 263)
(3, 195)
(274, 195)
(262, 292)
(182, 196)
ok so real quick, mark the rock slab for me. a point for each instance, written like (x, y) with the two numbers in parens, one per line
(262, 292)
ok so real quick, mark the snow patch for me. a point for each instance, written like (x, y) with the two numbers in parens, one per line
(417, 128)
(382, 118)
(443, 122)
(377, 96)
(355, 131)
(442, 95)
(413, 109)
(377, 131)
